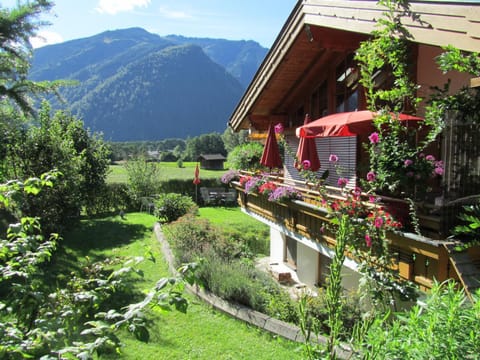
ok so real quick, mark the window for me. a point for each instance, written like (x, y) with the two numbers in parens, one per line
(347, 85)
(344, 147)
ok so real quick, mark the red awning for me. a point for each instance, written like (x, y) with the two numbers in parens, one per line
(344, 124)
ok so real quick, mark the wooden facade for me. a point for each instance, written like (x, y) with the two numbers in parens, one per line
(310, 69)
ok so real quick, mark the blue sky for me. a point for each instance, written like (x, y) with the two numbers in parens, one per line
(259, 20)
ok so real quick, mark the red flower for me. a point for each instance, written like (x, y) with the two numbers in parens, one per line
(368, 240)
(267, 188)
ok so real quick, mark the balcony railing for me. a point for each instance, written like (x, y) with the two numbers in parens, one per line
(418, 258)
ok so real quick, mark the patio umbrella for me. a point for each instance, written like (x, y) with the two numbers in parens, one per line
(271, 154)
(344, 124)
(307, 150)
(196, 181)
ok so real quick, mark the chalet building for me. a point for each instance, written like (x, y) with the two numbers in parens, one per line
(212, 161)
(311, 69)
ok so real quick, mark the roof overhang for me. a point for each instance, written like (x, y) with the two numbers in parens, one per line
(318, 32)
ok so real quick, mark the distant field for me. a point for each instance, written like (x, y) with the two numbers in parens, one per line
(168, 170)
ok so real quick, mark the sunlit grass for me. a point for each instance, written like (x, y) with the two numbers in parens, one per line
(201, 333)
(167, 170)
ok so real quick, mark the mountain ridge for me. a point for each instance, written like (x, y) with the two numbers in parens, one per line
(134, 85)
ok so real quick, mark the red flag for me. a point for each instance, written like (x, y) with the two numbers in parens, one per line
(196, 180)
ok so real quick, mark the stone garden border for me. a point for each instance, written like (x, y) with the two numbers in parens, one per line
(244, 313)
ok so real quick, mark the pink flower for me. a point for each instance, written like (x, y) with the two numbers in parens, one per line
(372, 199)
(439, 163)
(374, 138)
(368, 240)
(438, 171)
(306, 164)
(371, 176)
(410, 174)
(342, 182)
(378, 222)
(279, 128)
(408, 162)
(333, 158)
(357, 192)
(430, 158)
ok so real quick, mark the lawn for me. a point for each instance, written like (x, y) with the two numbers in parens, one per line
(167, 170)
(201, 333)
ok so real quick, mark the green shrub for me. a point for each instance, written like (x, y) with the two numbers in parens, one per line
(445, 326)
(111, 198)
(246, 157)
(351, 314)
(190, 237)
(169, 207)
(234, 281)
(227, 267)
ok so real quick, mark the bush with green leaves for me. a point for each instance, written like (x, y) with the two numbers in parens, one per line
(169, 207)
(246, 157)
(143, 177)
(55, 141)
(445, 326)
(226, 267)
(74, 316)
(111, 198)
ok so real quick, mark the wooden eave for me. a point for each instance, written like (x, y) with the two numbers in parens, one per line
(317, 34)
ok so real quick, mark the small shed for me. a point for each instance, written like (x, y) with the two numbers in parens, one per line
(211, 161)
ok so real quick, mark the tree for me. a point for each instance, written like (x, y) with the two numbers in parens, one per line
(57, 142)
(204, 144)
(233, 139)
(17, 26)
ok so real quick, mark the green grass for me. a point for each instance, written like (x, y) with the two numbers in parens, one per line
(201, 333)
(231, 220)
(168, 170)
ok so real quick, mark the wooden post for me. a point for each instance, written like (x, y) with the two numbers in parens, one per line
(475, 82)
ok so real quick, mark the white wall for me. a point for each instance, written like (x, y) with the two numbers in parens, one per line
(307, 264)
(277, 246)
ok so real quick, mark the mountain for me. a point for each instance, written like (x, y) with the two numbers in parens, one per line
(134, 85)
(239, 58)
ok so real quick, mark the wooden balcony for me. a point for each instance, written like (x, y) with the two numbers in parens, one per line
(420, 259)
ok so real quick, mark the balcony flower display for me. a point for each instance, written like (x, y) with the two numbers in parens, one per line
(284, 193)
(399, 166)
(229, 176)
(252, 184)
(267, 188)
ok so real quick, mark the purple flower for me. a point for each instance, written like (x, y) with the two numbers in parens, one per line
(342, 182)
(284, 193)
(371, 176)
(430, 158)
(378, 222)
(279, 128)
(374, 138)
(230, 176)
(408, 162)
(439, 164)
(306, 164)
(333, 158)
(368, 240)
(253, 184)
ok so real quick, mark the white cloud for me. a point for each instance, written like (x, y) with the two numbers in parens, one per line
(174, 14)
(46, 38)
(115, 6)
